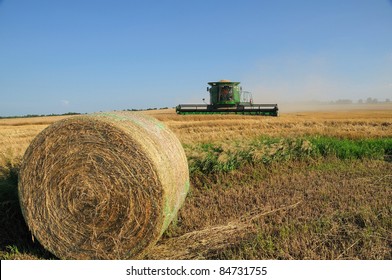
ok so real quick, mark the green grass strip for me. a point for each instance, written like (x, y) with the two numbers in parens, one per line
(214, 158)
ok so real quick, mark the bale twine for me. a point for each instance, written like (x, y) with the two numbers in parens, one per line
(102, 186)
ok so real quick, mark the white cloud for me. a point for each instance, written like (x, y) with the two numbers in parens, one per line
(64, 102)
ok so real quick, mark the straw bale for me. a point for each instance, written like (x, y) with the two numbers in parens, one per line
(102, 186)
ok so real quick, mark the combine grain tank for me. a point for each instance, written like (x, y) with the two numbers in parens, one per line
(227, 97)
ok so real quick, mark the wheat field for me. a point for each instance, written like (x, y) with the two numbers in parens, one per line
(16, 134)
(261, 187)
(357, 123)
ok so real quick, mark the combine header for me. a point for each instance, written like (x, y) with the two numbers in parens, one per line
(227, 97)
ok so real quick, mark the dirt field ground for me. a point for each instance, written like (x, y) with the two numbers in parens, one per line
(262, 187)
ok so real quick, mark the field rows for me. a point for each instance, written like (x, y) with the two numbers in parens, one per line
(362, 124)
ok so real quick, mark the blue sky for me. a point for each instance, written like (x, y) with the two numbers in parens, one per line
(93, 55)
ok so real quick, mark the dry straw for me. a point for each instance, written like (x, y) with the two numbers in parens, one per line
(102, 186)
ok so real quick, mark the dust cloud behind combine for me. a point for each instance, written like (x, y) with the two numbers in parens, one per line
(294, 107)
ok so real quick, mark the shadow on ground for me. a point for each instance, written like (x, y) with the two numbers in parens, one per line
(15, 236)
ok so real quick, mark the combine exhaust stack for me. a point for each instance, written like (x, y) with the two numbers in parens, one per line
(228, 98)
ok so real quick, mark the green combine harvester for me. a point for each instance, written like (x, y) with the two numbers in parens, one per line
(228, 98)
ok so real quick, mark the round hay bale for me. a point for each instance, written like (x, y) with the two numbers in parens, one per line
(102, 186)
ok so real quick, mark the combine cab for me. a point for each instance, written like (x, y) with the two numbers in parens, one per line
(227, 97)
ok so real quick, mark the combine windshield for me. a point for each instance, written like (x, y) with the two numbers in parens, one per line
(225, 93)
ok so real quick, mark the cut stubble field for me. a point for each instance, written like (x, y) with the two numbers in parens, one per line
(305, 185)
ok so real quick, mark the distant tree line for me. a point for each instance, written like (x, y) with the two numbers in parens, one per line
(35, 116)
(74, 113)
(148, 109)
(368, 100)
